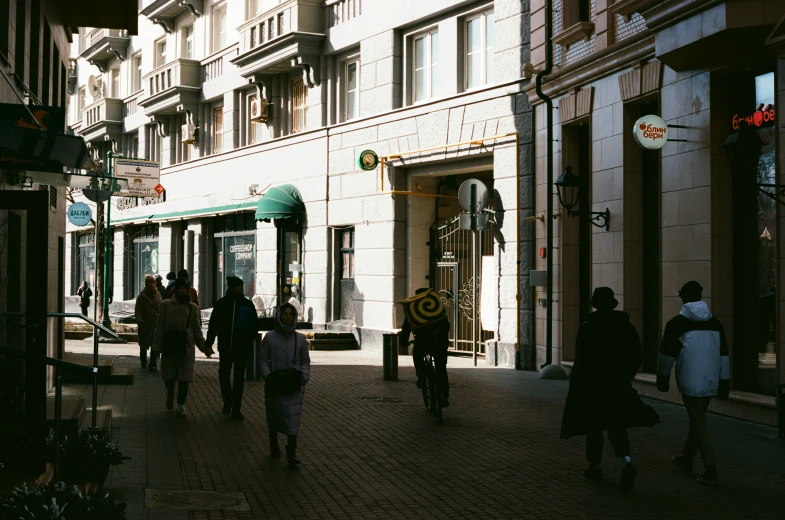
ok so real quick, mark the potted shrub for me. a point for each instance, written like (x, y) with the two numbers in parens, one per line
(86, 458)
(58, 501)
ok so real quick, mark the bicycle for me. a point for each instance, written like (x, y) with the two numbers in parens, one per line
(431, 390)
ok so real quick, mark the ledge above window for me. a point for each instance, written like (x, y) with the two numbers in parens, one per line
(626, 8)
(579, 31)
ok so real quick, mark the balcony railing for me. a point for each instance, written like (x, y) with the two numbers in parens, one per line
(291, 16)
(97, 35)
(178, 73)
(131, 104)
(104, 110)
(105, 44)
(340, 11)
(213, 67)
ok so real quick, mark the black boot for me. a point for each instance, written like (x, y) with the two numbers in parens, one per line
(275, 450)
(291, 450)
(143, 357)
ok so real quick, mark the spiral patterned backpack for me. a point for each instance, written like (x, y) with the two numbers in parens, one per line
(423, 309)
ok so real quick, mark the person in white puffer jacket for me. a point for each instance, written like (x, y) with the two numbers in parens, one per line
(695, 341)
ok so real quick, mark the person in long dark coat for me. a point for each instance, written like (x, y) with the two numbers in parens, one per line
(84, 293)
(148, 303)
(607, 356)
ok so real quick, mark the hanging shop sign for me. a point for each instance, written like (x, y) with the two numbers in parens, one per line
(79, 214)
(651, 132)
(143, 176)
(368, 160)
(34, 154)
(763, 115)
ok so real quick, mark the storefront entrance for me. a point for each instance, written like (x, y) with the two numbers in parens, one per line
(234, 244)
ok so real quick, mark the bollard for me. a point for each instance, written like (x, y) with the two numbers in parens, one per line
(390, 357)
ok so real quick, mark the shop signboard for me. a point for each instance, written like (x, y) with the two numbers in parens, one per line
(50, 120)
(143, 176)
(79, 214)
(651, 132)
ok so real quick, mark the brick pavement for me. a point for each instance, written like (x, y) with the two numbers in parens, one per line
(497, 454)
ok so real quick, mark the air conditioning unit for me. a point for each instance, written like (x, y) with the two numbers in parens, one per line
(189, 134)
(260, 110)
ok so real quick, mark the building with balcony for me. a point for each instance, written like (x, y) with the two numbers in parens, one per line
(260, 104)
(689, 208)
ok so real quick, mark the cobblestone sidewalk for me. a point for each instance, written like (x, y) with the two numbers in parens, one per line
(497, 454)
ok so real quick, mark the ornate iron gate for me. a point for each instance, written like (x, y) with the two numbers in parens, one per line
(451, 250)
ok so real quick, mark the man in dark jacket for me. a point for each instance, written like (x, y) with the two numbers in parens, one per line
(607, 356)
(85, 293)
(695, 341)
(234, 323)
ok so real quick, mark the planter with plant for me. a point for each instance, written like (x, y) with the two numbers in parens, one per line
(59, 502)
(86, 458)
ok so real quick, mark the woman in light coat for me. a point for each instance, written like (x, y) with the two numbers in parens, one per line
(146, 310)
(173, 316)
(284, 348)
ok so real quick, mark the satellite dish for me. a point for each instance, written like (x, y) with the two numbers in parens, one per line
(94, 85)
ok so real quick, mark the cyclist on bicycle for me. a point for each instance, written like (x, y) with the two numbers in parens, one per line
(433, 338)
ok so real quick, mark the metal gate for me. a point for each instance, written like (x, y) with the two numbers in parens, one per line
(451, 249)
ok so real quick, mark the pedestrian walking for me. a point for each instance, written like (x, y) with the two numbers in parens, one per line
(85, 293)
(285, 365)
(601, 398)
(159, 285)
(233, 321)
(169, 291)
(183, 275)
(178, 332)
(695, 341)
(148, 303)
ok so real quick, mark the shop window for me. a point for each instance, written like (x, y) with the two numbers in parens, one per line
(478, 39)
(145, 257)
(234, 252)
(290, 258)
(299, 105)
(425, 69)
(85, 261)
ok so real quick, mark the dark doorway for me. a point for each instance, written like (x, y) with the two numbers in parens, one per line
(346, 305)
(583, 137)
(651, 232)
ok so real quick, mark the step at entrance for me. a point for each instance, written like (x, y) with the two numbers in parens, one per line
(108, 374)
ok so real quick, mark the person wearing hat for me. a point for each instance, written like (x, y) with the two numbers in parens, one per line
(146, 311)
(234, 322)
(179, 314)
(607, 356)
(433, 338)
(695, 342)
(159, 285)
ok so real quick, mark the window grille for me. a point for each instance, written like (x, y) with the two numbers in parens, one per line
(300, 108)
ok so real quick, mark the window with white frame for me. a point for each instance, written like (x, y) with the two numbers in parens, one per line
(114, 75)
(219, 27)
(136, 73)
(425, 70)
(352, 89)
(299, 105)
(218, 129)
(80, 104)
(188, 42)
(160, 52)
(478, 66)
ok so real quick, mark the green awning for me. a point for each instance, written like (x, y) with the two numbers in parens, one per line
(196, 212)
(280, 202)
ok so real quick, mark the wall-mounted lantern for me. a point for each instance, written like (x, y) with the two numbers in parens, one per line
(568, 187)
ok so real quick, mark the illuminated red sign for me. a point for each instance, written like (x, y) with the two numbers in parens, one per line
(762, 115)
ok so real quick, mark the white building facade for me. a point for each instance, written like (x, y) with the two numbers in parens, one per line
(283, 96)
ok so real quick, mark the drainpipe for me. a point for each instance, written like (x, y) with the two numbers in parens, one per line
(557, 372)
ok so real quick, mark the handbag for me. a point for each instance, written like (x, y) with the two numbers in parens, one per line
(175, 341)
(286, 381)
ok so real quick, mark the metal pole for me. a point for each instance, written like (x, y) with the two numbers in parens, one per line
(474, 271)
(58, 412)
(95, 331)
(104, 293)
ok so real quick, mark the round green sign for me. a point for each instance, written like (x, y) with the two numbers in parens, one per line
(368, 160)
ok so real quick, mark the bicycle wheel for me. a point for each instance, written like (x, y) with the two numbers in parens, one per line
(436, 407)
(426, 395)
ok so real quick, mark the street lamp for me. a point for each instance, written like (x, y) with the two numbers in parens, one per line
(568, 187)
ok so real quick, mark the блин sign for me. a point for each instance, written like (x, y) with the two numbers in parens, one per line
(651, 132)
(763, 115)
(79, 214)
